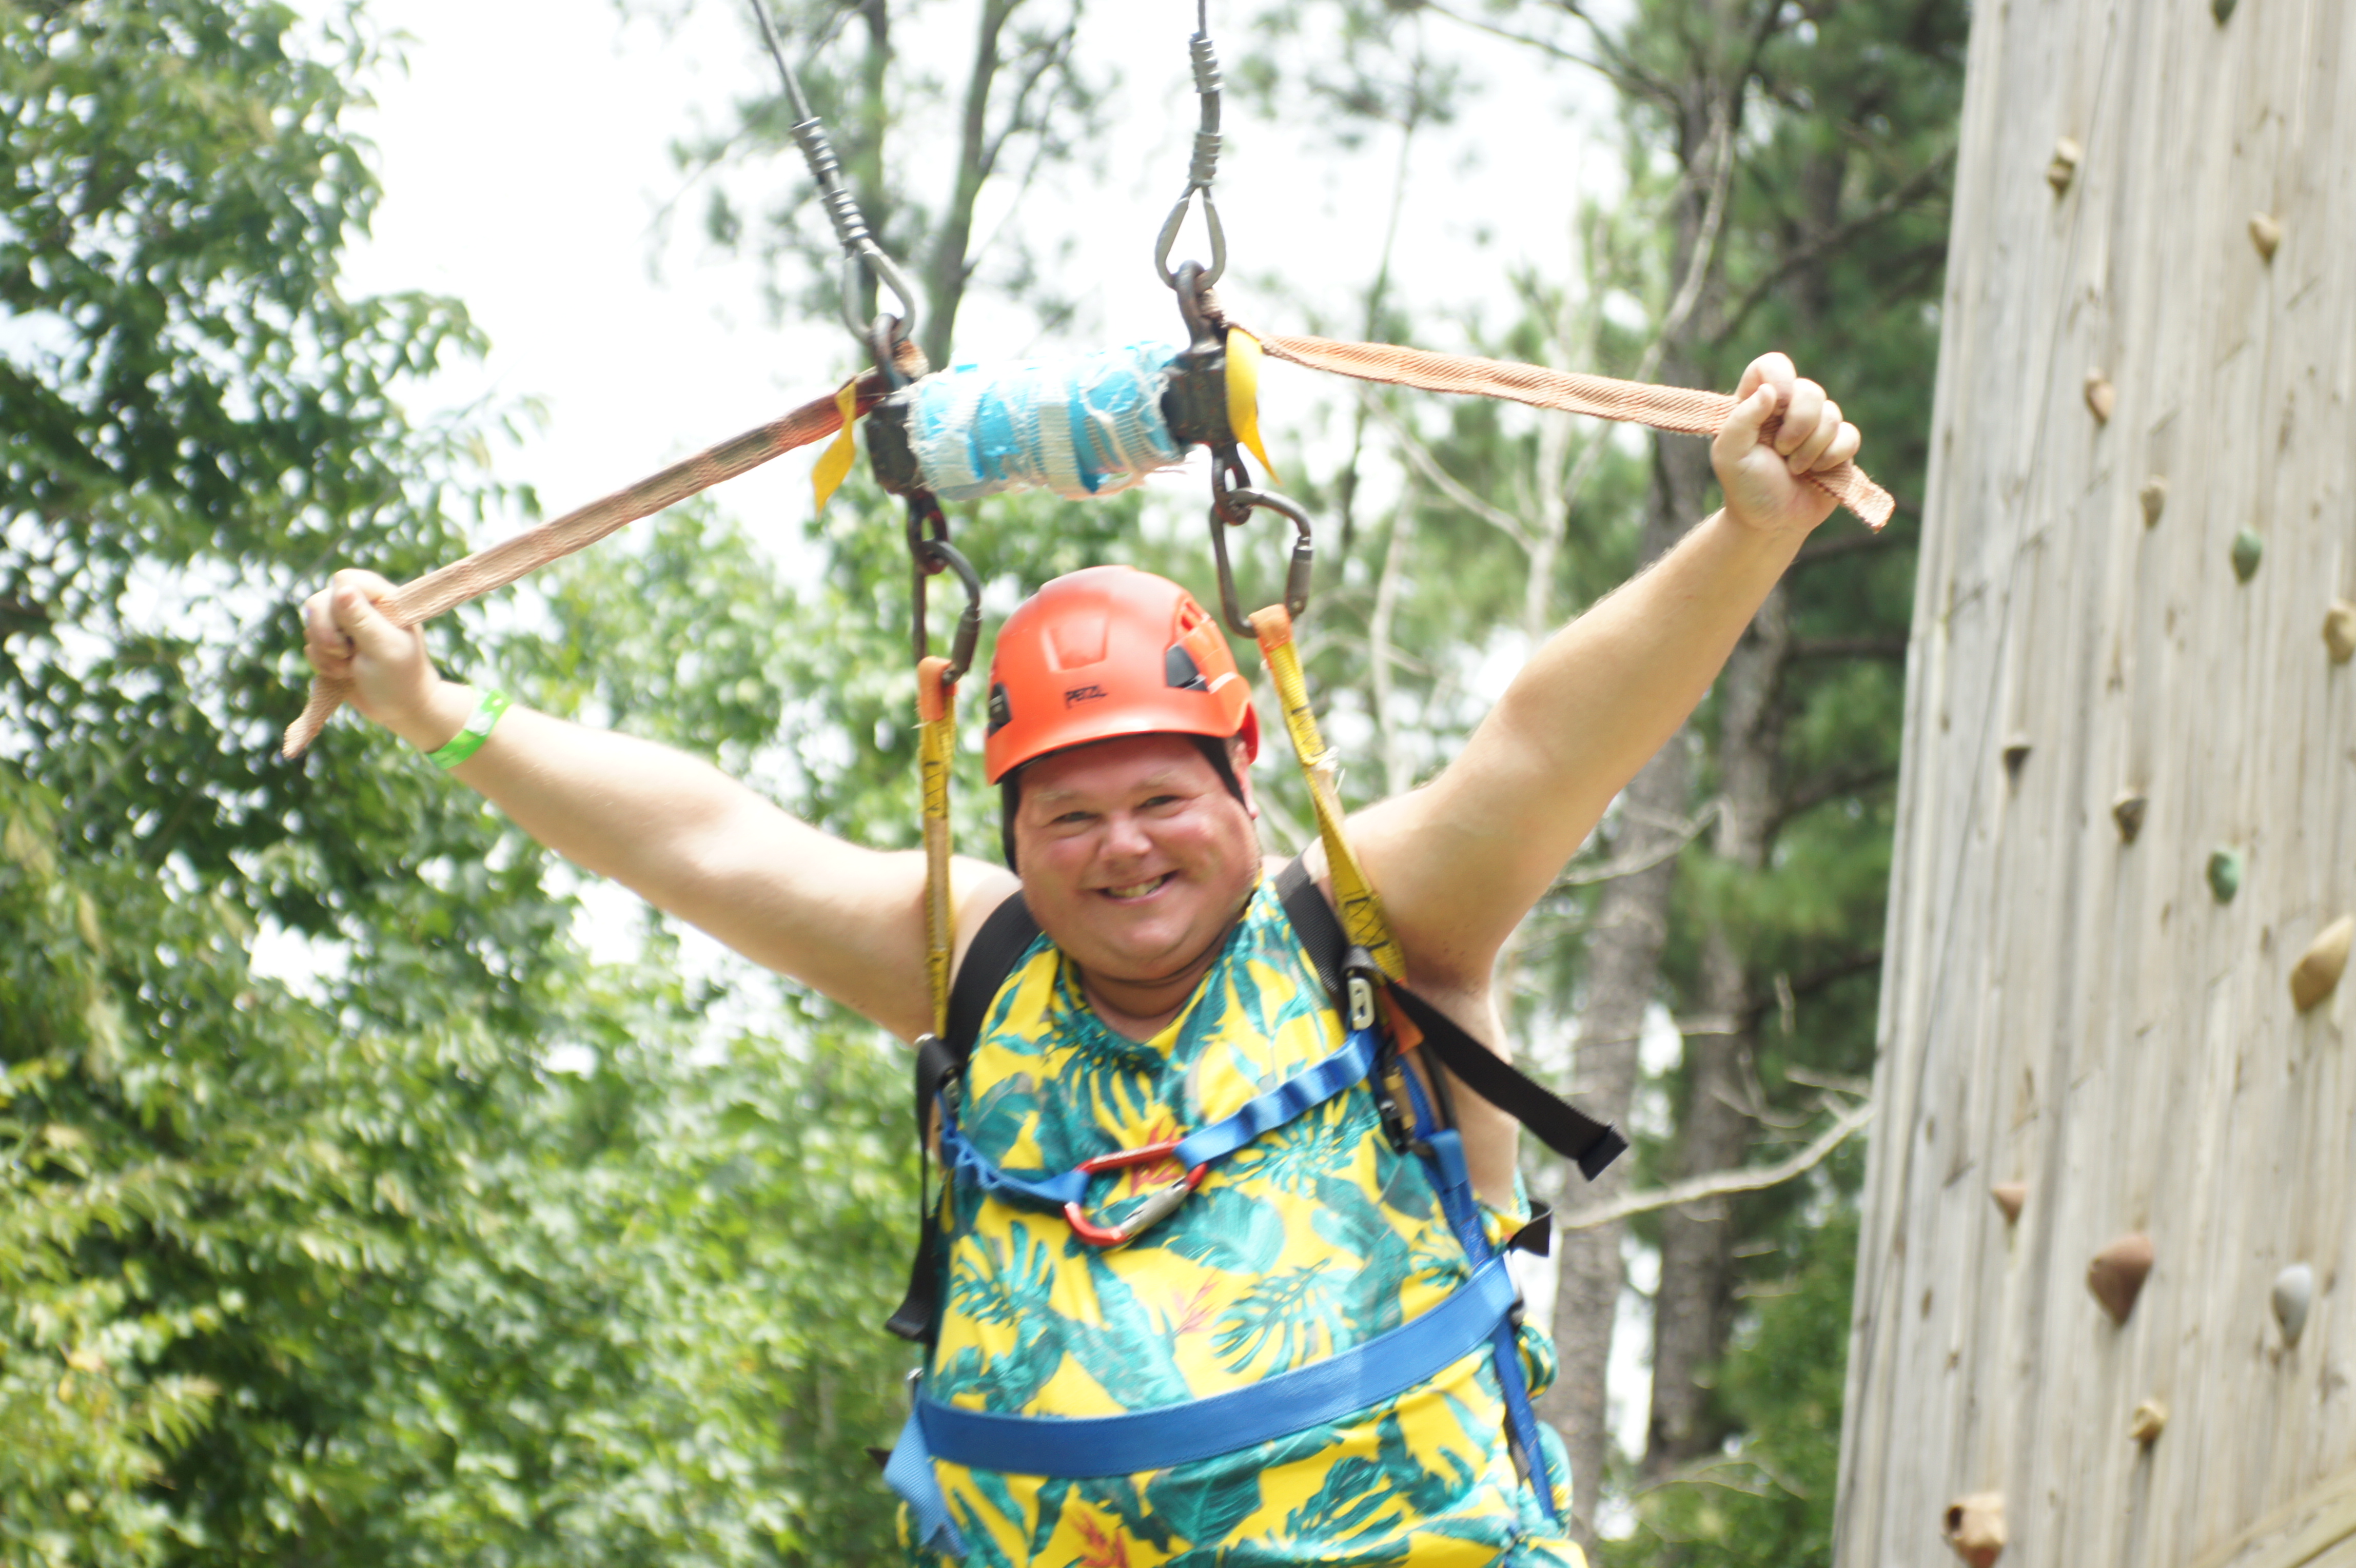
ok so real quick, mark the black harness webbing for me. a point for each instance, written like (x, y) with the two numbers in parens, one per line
(997, 948)
(1559, 1125)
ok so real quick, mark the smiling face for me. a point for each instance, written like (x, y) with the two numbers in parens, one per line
(1134, 857)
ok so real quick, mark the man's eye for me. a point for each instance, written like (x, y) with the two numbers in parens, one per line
(1156, 802)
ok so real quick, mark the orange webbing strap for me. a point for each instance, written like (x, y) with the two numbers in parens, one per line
(936, 751)
(446, 588)
(1355, 900)
(1681, 409)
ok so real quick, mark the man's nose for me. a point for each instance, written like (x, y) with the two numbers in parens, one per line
(1125, 836)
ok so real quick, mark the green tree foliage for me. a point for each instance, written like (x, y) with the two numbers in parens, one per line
(343, 1272)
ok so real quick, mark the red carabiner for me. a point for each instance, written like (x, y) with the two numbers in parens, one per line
(1156, 1208)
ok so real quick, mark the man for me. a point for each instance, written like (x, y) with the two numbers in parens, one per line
(1167, 990)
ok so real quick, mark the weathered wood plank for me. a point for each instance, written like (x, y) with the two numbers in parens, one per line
(2061, 1007)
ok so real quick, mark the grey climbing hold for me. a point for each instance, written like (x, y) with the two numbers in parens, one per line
(2016, 752)
(2318, 969)
(2293, 1293)
(2154, 496)
(2127, 811)
(2266, 233)
(2340, 630)
(2064, 166)
(2224, 874)
(2249, 548)
(1973, 1527)
(2223, 10)
(2117, 1273)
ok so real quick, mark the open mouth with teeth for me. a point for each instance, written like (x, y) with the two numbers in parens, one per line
(1138, 889)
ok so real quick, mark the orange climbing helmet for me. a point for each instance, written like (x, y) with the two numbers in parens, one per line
(1107, 651)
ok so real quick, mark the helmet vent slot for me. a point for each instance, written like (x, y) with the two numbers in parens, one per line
(1179, 669)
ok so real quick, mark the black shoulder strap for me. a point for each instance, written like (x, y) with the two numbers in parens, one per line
(996, 948)
(1559, 1125)
(990, 959)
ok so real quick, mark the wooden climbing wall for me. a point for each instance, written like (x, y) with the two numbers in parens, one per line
(2128, 381)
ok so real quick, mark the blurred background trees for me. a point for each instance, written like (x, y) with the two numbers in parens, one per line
(471, 1246)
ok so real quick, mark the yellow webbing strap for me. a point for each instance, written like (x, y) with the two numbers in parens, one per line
(936, 749)
(834, 463)
(1363, 920)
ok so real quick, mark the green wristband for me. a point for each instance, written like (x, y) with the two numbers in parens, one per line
(488, 706)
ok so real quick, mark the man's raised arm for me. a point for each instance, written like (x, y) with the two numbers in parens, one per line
(1461, 861)
(690, 840)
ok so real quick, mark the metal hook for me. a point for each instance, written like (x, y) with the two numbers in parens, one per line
(1233, 507)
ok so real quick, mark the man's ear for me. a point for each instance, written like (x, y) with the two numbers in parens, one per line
(1239, 762)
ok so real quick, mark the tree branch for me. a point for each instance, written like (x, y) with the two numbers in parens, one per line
(1644, 860)
(1721, 1184)
(1835, 237)
(1448, 484)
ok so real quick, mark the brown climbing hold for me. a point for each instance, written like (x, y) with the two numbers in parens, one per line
(2151, 1418)
(2064, 166)
(2100, 396)
(2127, 811)
(2117, 1273)
(2320, 967)
(2154, 496)
(2016, 752)
(1974, 1528)
(2340, 630)
(2266, 233)
(2009, 1196)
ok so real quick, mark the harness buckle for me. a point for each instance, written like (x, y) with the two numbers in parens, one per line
(1158, 1207)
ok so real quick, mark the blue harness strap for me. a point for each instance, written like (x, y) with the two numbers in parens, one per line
(1366, 1374)
(1305, 1090)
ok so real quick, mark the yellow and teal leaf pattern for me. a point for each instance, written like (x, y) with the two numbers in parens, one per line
(1314, 1239)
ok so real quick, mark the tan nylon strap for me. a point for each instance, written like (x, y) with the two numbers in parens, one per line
(936, 752)
(446, 588)
(1681, 409)
(1354, 899)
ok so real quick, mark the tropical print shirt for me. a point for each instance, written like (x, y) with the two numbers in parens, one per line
(1310, 1240)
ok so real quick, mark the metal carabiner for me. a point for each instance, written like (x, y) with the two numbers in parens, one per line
(1158, 1207)
(1231, 506)
(929, 553)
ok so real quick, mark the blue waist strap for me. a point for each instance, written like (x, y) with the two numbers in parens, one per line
(1382, 1368)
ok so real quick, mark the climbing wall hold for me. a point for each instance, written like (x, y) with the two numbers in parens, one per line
(2117, 1273)
(2127, 811)
(2248, 550)
(2340, 630)
(2064, 166)
(2223, 10)
(2154, 496)
(1974, 1528)
(2151, 1418)
(2016, 752)
(2100, 396)
(2320, 967)
(2009, 1196)
(2224, 874)
(2293, 1293)
(2266, 233)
